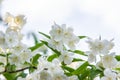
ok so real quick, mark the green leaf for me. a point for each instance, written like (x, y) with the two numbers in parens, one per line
(68, 68)
(85, 74)
(93, 73)
(10, 68)
(21, 74)
(1, 63)
(54, 50)
(35, 38)
(76, 59)
(2, 55)
(78, 52)
(117, 57)
(117, 69)
(35, 59)
(9, 76)
(36, 46)
(80, 69)
(68, 74)
(31, 70)
(82, 37)
(47, 36)
(27, 63)
(51, 57)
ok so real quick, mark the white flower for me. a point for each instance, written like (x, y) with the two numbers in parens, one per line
(100, 46)
(45, 75)
(19, 48)
(71, 43)
(9, 30)
(8, 18)
(109, 75)
(57, 32)
(66, 57)
(68, 33)
(109, 61)
(64, 36)
(11, 39)
(109, 44)
(20, 20)
(15, 59)
(55, 67)
(50, 66)
(15, 22)
(25, 55)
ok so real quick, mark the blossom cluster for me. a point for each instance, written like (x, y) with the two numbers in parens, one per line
(11, 45)
(63, 39)
(54, 58)
(100, 49)
(14, 53)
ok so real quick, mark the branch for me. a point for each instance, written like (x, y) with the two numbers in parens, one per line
(19, 70)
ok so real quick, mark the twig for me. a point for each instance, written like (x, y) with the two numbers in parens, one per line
(19, 70)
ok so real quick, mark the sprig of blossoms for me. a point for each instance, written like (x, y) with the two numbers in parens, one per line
(13, 50)
(61, 37)
(107, 60)
(98, 48)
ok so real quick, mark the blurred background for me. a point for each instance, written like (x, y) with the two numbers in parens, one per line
(91, 18)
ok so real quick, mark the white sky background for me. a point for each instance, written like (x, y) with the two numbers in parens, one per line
(88, 17)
